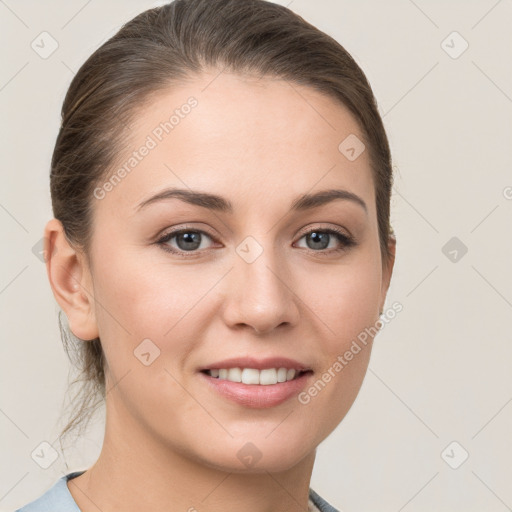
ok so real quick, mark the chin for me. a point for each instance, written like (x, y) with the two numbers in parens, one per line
(261, 455)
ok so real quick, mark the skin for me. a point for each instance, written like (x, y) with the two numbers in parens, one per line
(169, 439)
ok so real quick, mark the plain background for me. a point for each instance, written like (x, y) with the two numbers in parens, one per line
(440, 371)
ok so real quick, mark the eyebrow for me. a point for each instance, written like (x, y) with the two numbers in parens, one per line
(220, 204)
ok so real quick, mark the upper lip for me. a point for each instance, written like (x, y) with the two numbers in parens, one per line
(258, 364)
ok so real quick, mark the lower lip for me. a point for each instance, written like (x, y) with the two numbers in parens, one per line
(257, 395)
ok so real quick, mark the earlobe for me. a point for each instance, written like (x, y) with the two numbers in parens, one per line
(70, 279)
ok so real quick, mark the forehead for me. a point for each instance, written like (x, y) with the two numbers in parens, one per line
(241, 136)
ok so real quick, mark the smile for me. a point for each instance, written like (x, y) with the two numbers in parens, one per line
(253, 376)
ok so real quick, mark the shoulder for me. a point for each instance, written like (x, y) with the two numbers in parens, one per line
(320, 503)
(59, 499)
(56, 499)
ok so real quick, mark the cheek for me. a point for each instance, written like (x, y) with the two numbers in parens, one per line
(346, 299)
(143, 299)
(167, 304)
(144, 317)
(349, 312)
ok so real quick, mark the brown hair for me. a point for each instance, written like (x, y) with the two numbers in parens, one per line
(168, 45)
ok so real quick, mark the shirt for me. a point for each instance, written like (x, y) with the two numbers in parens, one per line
(59, 499)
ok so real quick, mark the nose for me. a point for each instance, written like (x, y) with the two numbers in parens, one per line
(260, 295)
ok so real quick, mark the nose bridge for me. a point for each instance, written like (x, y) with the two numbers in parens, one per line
(259, 293)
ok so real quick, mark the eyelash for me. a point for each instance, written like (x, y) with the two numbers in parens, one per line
(345, 241)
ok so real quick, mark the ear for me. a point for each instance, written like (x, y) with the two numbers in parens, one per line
(71, 281)
(387, 269)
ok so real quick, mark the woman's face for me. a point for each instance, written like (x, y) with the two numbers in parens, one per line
(244, 280)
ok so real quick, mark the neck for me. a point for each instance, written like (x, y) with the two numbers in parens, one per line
(137, 472)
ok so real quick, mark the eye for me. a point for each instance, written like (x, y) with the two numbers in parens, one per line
(325, 240)
(184, 240)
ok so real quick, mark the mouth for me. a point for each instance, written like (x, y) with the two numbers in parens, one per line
(271, 383)
(256, 382)
(254, 376)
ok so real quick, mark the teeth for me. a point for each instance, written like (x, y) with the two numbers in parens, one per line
(250, 376)
(281, 374)
(235, 375)
(264, 377)
(268, 376)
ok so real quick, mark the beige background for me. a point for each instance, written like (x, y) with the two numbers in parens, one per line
(440, 371)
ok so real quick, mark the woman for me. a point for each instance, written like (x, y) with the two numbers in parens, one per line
(221, 186)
